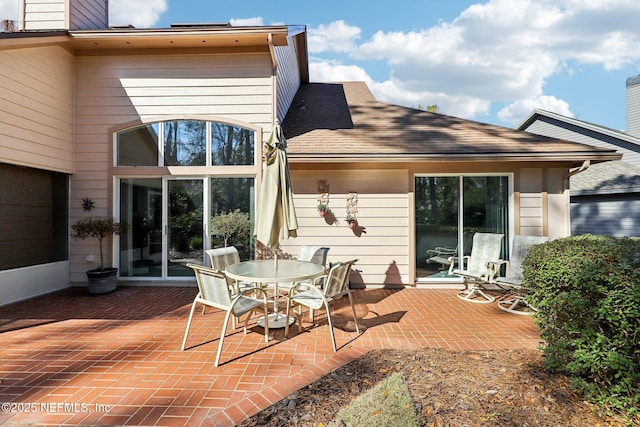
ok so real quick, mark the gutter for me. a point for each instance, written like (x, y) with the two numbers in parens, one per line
(584, 167)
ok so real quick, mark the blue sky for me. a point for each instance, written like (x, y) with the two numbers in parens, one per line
(491, 61)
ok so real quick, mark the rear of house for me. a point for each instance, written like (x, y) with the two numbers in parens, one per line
(422, 180)
(163, 129)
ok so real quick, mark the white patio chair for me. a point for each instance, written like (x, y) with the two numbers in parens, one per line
(220, 259)
(514, 302)
(336, 285)
(476, 269)
(214, 291)
(315, 254)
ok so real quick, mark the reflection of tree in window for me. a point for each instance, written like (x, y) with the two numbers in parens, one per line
(231, 145)
(184, 143)
(437, 203)
(228, 195)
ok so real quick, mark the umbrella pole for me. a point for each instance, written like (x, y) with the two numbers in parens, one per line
(275, 258)
(275, 300)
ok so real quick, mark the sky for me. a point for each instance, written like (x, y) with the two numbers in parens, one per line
(491, 61)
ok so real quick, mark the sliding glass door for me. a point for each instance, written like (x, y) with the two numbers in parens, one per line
(449, 210)
(165, 222)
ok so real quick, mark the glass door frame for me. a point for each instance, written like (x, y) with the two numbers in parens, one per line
(461, 176)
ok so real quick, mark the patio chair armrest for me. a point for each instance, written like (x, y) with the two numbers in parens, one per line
(299, 287)
(452, 263)
(493, 269)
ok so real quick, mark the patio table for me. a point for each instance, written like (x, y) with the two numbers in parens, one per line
(280, 271)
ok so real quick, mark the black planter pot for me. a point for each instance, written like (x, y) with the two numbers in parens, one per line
(102, 281)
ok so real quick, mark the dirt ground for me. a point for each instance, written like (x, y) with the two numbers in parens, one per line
(449, 388)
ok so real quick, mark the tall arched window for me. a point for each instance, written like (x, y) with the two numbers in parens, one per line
(172, 177)
(185, 143)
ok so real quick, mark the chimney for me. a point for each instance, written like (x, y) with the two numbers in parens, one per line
(633, 106)
(64, 14)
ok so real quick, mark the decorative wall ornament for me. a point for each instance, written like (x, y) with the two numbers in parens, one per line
(323, 197)
(87, 204)
(323, 204)
(352, 208)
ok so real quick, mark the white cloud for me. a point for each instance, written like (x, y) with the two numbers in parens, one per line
(337, 37)
(321, 70)
(499, 51)
(518, 110)
(139, 13)
(240, 22)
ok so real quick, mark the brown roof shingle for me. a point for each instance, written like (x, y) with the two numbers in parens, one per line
(343, 121)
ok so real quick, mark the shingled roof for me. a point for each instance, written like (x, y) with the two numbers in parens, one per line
(344, 122)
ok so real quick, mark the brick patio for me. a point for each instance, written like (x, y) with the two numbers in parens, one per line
(72, 359)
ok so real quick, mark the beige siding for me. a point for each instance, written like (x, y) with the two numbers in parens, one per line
(88, 14)
(64, 14)
(44, 14)
(288, 76)
(531, 202)
(114, 91)
(36, 109)
(381, 241)
(558, 207)
(543, 202)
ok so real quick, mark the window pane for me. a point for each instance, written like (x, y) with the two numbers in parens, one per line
(231, 145)
(486, 202)
(436, 224)
(138, 146)
(184, 143)
(228, 195)
(141, 235)
(185, 237)
(34, 209)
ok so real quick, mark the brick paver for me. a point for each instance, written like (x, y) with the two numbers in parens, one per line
(68, 358)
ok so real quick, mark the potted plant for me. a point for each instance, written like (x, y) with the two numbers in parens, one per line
(351, 221)
(100, 280)
(322, 209)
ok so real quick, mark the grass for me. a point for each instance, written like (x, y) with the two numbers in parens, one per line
(387, 404)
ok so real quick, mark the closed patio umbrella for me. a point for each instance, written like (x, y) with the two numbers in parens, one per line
(275, 216)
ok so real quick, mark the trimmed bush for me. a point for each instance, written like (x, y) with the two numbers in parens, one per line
(587, 292)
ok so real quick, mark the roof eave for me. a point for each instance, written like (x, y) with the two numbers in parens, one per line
(536, 113)
(386, 157)
(278, 33)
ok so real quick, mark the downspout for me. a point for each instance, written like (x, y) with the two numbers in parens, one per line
(584, 167)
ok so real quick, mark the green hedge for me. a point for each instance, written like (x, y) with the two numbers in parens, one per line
(587, 292)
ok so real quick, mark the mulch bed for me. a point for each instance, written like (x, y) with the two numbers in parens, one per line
(449, 388)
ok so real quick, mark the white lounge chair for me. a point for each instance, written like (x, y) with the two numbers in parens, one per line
(512, 280)
(476, 269)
